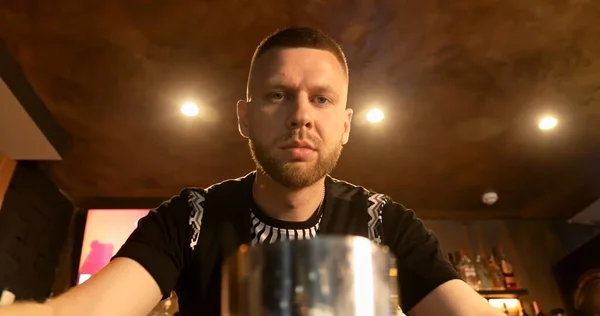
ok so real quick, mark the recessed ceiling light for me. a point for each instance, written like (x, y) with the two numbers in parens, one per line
(547, 123)
(189, 109)
(375, 115)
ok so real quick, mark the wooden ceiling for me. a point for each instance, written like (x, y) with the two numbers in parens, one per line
(462, 84)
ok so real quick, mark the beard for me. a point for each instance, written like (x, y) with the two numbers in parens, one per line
(290, 174)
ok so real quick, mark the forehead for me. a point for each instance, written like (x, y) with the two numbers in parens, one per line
(298, 65)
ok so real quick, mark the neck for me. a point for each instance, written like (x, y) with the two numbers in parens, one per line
(285, 204)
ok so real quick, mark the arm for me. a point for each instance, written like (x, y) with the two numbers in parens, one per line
(454, 298)
(146, 268)
(429, 285)
(110, 292)
(123, 287)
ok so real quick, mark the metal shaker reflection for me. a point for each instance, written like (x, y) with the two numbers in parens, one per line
(323, 276)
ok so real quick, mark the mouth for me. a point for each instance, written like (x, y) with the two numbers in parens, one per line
(298, 145)
(300, 151)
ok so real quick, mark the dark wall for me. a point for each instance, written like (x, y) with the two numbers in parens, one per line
(68, 264)
(573, 236)
(34, 222)
(533, 246)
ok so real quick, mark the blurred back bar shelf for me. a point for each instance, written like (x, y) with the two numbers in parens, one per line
(489, 294)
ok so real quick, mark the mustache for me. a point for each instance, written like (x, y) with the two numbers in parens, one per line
(298, 135)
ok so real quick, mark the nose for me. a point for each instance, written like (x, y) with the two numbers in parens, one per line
(300, 114)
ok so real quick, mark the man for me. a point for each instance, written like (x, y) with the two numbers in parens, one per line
(296, 120)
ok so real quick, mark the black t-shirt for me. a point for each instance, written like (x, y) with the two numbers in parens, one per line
(169, 240)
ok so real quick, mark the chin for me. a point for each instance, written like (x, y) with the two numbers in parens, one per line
(300, 164)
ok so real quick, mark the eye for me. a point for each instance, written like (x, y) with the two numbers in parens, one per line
(321, 100)
(277, 96)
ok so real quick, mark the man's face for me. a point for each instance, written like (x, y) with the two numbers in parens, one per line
(297, 121)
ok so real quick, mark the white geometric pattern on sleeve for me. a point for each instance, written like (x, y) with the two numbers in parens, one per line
(196, 200)
(375, 208)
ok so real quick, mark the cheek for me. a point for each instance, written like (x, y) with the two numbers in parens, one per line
(332, 132)
(267, 124)
(262, 131)
(331, 140)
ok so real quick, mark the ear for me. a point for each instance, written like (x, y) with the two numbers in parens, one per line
(347, 123)
(242, 116)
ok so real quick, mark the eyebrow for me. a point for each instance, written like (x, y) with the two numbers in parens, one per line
(320, 88)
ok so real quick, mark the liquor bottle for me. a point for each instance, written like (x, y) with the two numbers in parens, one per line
(163, 308)
(505, 309)
(558, 312)
(452, 260)
(510, 282)
(536, 309)
(467, 272)
(483, 273)
(457, 256)
(523, 311)
(495, 274)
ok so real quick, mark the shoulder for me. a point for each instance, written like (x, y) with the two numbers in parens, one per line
(196, 201)
(348, 191)
(421, 264)
(398, 221)
(196, 196)
(381, 208)
(190, 204)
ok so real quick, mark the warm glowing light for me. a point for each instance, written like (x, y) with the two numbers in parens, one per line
(510, 303)
(547, 123)
(375, 116)
(189, 109)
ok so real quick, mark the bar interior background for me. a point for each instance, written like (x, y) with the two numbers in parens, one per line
(445, 112)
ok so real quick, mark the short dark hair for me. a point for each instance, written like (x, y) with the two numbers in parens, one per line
(297, 37)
